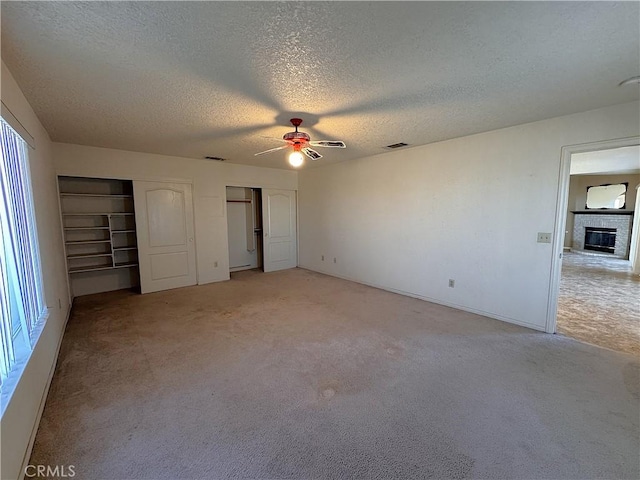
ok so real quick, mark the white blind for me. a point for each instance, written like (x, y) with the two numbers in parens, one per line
(21, 295)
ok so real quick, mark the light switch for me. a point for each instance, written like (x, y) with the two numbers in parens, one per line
(544, 237)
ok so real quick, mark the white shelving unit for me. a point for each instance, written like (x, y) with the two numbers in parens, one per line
(100, 234)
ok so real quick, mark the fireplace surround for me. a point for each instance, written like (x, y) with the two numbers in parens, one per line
(602, 232)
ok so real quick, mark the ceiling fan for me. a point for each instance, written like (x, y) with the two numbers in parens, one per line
(301, 142)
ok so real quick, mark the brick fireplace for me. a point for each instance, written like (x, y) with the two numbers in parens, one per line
(602, 231)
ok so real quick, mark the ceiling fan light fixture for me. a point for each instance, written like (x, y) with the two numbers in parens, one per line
(301, 143)
(296, 159)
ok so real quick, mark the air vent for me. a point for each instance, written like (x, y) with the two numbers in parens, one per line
(397, 145)
(217, 159)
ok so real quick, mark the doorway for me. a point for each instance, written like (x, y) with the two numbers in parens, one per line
(593, 287)
(244, 228)
(262, 228)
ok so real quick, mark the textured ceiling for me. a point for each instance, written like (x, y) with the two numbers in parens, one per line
(605, 162)
(216, 78)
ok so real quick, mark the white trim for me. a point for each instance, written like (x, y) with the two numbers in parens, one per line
(431, 300)
(23, 354)
(43, 400)
(634, 250)
(13, 121)
(64, 243)
(561, 216)
(130, 177)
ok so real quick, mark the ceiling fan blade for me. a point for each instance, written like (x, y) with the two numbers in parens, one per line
(311, 153)
(328, 143)
(271, 150)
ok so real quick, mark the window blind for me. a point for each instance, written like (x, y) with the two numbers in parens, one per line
(21, 295)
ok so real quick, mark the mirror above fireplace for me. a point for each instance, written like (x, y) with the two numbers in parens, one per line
(607, 196)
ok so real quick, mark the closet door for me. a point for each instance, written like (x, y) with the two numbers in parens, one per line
(166, 250)
(279, 225)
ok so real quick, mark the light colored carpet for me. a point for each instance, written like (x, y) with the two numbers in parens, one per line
(599, 302)
(299, 375)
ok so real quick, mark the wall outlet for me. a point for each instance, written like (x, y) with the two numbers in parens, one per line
(334, 260)
(215, 264)
(60, 304)
(323, 258)
(452, 283)
(544, 237)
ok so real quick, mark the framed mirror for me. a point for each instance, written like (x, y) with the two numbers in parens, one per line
(607, 196)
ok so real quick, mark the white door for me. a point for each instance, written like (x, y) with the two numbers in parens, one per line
(164, 224)
(279, 224)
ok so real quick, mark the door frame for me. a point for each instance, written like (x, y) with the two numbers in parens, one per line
(226, 216)
(262, 187)
(562, 200)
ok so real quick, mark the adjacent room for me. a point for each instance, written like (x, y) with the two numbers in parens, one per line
(599, 289)
(268, 240)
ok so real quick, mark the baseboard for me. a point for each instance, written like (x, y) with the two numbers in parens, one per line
(43, 400)
(433, 300)
(242, 269)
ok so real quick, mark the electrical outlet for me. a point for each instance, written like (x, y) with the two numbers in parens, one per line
(59, 304)
(323, 258)
(452, 283)
(334, 260)
(544, 237)
(215, 264)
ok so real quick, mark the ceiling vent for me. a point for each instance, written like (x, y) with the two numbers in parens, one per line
(630, 81)
(397, 145)
(217, 159)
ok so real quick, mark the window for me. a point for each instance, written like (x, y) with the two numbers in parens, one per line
(22, 306)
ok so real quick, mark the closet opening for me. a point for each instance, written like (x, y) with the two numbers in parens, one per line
(244, 227)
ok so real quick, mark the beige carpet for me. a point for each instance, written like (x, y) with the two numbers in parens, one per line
(298, 375)
(599, 302)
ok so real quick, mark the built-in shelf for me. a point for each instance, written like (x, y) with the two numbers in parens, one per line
(126, 265)
(103, 267)
(96, 195)
(86, 242)
(91, 219)
(90, 269)
(88, 255)
(96, 214)
(87, 228)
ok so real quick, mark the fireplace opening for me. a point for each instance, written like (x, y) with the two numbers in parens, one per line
(600, 239)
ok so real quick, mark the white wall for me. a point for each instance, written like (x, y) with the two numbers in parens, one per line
(209, 178)
(23, 409)
(467, 209)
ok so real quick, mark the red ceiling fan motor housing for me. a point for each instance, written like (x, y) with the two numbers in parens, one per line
(297, 139)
